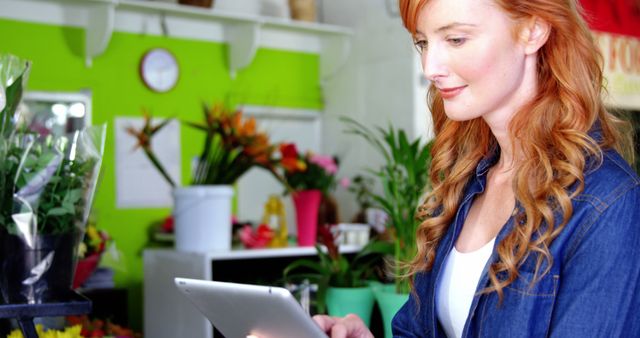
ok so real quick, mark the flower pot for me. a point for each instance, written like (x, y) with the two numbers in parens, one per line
(198, 3)
(202, 216)
(304, 10)
(389, 302)
(343, 301)
(38, 270)
(306, 203)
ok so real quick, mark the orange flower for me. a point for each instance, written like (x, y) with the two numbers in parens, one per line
(292, 165)
(233, 145)
(259, 149)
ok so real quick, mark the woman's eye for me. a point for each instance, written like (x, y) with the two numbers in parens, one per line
(456, 41)
(421, 45)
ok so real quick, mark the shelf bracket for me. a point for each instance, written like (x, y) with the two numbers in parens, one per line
(333, 56)
(98, 30)
(243, 43)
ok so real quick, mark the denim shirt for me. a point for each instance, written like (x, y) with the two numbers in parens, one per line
(592, 288)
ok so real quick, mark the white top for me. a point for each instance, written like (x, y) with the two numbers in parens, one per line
(457, 286)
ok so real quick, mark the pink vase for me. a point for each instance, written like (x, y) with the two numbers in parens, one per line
(307, 203)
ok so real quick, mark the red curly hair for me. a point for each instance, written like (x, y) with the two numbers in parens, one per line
(551, 131)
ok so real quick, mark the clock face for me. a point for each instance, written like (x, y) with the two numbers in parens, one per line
(159, 70)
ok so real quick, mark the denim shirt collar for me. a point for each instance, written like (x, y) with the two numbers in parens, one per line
(487, 162)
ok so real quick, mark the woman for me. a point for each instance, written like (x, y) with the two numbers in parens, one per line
(533, 226)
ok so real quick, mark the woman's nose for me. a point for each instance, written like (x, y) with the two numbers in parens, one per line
(433, 64)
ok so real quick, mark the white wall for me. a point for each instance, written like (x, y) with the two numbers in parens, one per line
(380, 85)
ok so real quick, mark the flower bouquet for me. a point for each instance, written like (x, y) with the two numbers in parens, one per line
(68, 332)
(90, 251)
(99, 328)
(309, 176)
(47, 185)
(309, 171)
(232, 146)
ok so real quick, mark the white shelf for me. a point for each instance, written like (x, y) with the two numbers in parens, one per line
(259, 253)
(244, 33)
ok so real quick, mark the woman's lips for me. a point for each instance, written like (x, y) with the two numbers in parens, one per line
(449, 93)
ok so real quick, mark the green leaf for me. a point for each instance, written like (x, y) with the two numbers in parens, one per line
(45, 159)
(305, 263)
(403, 178)
(73, 196)
(13, 96)
(57, 211)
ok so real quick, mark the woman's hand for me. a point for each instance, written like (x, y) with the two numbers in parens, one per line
(350, 326)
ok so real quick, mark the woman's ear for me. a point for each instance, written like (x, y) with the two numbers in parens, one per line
(535, 34)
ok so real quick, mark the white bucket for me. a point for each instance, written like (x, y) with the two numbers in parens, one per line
(202, 216)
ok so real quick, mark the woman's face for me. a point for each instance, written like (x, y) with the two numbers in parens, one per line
(470, 55)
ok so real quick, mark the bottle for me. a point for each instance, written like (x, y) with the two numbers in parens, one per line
(274, 216)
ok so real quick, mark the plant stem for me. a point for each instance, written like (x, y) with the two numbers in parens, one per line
(159, 166)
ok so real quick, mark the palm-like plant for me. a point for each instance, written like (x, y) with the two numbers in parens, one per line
(404, 179)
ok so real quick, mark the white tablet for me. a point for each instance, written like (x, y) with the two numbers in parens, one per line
(244, 310)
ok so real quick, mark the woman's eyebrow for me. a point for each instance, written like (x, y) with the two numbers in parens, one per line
(449, 27)
(455, 25)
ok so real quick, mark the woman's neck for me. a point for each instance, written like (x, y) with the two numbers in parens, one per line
(506, 160)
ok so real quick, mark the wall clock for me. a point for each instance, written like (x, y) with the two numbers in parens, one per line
(159, 70)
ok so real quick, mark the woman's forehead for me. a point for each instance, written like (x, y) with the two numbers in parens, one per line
(438, 15)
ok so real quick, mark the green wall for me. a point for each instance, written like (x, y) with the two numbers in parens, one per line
(275, 78)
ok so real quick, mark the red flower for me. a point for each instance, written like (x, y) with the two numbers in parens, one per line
(289, 150)
(167, 225)
(290, 159)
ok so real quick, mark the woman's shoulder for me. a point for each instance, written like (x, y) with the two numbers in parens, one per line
(608, 178)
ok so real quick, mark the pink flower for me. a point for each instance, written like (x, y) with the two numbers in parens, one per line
(325, 162)
(258, 238)
(345, 182)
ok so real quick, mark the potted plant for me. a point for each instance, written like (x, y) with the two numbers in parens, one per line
(310, 177)
(47, 185)
(342, 283)
(232, 146)
(404, 179)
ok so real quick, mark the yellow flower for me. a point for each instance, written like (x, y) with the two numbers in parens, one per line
(93, 234)
(69, 332)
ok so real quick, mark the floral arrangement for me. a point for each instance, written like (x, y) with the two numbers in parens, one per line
(80, 327)
(90, 251)
(68, 332)
(334, 269)
(47, 180)
(256, 238)
(94, 242)
(47, 185)
(99, 328)
(232, 146)
(308, 171)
